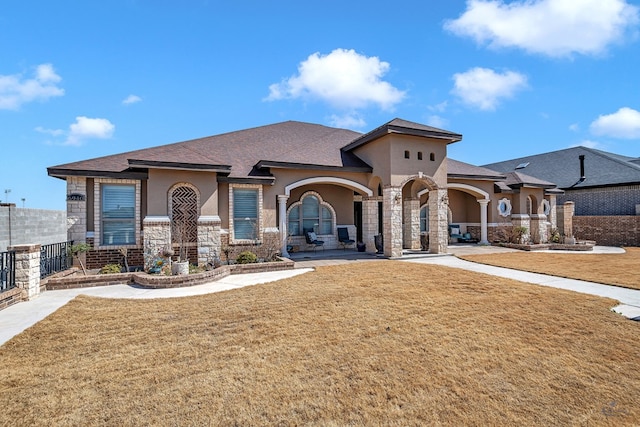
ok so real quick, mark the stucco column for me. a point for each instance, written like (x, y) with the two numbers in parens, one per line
(438, 213)
(484, 203)
(411, 231)
(392, 225)
(282, 223)
(369, 222)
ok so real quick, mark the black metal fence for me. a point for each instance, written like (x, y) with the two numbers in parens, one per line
(54, 258)
(7, 270)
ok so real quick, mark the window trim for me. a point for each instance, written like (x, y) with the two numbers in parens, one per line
(321, 204)
(97, 212)
(232, 238)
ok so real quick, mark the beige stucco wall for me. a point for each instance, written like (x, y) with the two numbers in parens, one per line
(160, 181)
(387, 157)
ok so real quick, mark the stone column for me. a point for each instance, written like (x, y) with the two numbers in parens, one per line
(157, 236)
(552, 217)
(438, 221)
(411, 229)
(28, 269)
(369, 222)
(522, 220)
(484, 203)
(282, 223)
(567, 219)
(77, 209)
(392, 226)
(208, 239)
(539, 228)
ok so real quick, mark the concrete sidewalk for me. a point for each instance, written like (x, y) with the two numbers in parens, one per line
(21, 316)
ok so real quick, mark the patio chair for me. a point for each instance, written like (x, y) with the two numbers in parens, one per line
(312, 240)
(454, 233)
(466, 238)
(343, 237)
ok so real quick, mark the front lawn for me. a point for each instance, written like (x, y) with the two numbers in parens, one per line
(611, 269)
(375, 343)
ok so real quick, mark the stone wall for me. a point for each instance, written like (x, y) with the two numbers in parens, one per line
(29, 226)
(608, 230)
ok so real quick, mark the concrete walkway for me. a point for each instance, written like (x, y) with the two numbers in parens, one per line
(21, 316)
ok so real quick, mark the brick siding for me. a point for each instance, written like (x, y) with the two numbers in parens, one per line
(604, 201)
(608, 230)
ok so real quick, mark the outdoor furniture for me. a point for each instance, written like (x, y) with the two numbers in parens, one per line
(312, 240)
(343, 237)
(466, 238)
(454, 233)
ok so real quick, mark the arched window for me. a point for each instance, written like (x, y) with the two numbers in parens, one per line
(424, 219)
(310, 213)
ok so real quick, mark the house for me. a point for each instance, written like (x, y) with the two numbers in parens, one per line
(274, 182)
(598, 182)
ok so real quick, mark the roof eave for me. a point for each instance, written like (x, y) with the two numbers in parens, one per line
(126, 174)
(307, 166)
(154, 164)
(388, 129)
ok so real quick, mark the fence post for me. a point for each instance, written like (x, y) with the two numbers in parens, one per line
(28, 269)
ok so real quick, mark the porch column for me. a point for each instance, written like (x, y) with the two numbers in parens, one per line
(282, 223)
(411, 235)
(438, 227)
(392, 226)
(552, 218)
(369, 222)
(157, 237)
(522, 220)
(539, 228)
(483, 221)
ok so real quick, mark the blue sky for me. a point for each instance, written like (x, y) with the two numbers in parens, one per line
(85, 79)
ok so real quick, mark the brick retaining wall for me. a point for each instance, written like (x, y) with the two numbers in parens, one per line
(608, 230)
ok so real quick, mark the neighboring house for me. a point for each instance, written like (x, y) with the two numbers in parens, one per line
(599, 183)
(274, 182)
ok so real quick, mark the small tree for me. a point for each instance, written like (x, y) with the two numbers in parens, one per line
(77, 250)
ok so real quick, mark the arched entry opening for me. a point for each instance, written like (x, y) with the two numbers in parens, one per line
(469, 207)
(322, 204)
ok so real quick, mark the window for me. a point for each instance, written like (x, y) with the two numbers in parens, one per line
(118, 214)
(424, 219)
(245, 213)
(504, 207)
(432, 157)
(406, 154)
(310, 214)
(419, 155)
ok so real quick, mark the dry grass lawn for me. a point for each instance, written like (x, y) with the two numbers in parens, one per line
(612, 269)
(380, 343)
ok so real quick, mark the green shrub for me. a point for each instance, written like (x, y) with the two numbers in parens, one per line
(246, 257)
(110, 269)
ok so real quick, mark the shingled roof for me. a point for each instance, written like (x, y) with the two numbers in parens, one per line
(291, 143)
(563, 168)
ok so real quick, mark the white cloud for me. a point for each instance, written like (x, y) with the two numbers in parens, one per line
(88, 128)
(15, 90)
(347, 121)
(554, 28)
(52, 132)
(574, 127)
(439, 108)
(587, 143)
(623, 124)
(483, 88)
(437, 121)
(343, 78)
(131, 99)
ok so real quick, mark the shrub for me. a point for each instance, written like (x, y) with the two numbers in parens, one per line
(110, 269)
(247, 257)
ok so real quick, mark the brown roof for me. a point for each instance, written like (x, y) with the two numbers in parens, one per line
(518, 179)
(404, 127)
(457, 169)
(235, 153)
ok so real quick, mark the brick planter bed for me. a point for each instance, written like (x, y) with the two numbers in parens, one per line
(159, 281)
(578, 246)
